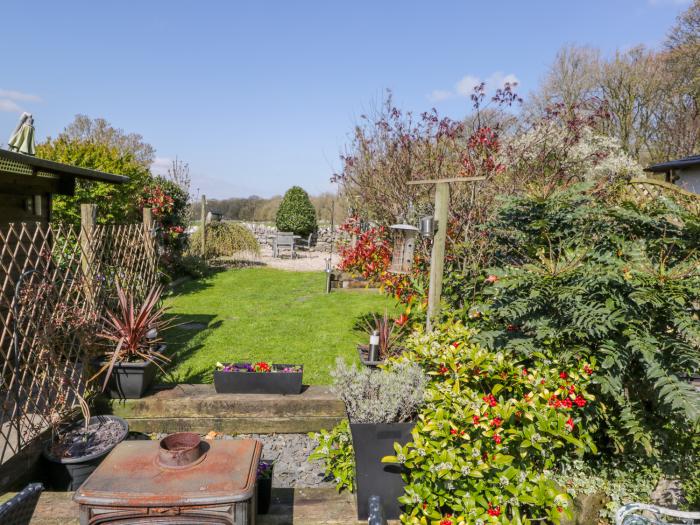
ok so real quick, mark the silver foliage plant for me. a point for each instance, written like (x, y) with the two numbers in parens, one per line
(391, 395)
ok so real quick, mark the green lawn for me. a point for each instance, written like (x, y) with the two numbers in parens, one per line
(262, 314)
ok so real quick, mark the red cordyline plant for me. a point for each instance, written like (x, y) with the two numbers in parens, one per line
(390, 332)
(127, 328)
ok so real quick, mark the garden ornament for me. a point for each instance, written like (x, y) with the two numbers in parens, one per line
(22, 139)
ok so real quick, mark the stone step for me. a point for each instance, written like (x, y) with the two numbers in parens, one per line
(303, 506)
(198, 408)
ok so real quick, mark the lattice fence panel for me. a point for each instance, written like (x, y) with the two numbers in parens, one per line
(65, 273)
(651, 189)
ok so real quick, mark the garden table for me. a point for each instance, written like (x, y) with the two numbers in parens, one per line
(132, 486)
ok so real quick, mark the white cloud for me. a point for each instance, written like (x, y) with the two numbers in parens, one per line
(18, 95)
(9, 105)
(439, 95)
(465, 86)
(161, 165)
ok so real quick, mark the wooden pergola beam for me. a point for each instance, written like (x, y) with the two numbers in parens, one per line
(451, 179)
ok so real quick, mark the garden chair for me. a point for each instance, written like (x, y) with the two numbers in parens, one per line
(642, 514)
(20, 508)
(306, 242)
(283, 240)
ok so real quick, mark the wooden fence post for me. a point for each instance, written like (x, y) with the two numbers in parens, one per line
(88, 217)
(149, 238)
(203, 217)
(437, 257)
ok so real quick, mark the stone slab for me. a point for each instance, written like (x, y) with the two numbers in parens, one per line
(312, 506)
(199, 408)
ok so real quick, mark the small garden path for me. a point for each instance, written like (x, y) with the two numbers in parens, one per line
(264, 314)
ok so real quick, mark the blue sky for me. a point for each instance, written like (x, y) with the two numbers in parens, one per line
(259, 96)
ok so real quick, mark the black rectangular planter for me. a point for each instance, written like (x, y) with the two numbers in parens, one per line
(373, 478)
(130, 380)
(259, 382)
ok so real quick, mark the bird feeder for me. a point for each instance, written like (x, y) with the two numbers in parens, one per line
(404, 236)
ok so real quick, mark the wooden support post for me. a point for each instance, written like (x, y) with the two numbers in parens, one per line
(203, 216)
(149, 238)
(88, 218)
(437, 257)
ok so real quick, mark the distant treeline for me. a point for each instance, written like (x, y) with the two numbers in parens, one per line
(256, 208)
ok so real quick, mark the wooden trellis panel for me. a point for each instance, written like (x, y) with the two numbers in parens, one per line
(64, 269)
(651, 189)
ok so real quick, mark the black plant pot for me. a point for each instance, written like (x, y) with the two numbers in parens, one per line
(130, 380)
(371, 443)
(70, 473)
(264, 495)
(259, 382)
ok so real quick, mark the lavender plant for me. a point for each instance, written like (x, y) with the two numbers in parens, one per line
(389, 395)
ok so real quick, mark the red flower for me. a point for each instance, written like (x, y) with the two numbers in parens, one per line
(572, 389)
(446, 521)
(261, 367)
(563, 375)
(453, 431)
(490, 400)
(497, 439)
(588, 369)
(496, 422)
(494, 511)
(443, 369)
(455, 344)
(566, 403)
(475, 420)
(492, 279)
(580, 401)
(560, 509)
(569, 424)
(524, 371)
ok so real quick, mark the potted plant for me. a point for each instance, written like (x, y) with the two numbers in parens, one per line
(382, 406)
(264, 485)
(385, 333)
(258, 378)
(76, 449)
(133, 335)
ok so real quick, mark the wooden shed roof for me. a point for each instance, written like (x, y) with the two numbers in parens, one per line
(19, 164)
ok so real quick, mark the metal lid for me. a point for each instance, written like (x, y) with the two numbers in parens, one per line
(131, 476)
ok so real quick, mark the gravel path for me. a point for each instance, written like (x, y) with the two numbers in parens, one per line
(290, 453)
(305, 262)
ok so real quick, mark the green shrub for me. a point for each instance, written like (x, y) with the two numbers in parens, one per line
(614, 282)
(224, 239)
(296, 213)
(335, 450)
(488, 438)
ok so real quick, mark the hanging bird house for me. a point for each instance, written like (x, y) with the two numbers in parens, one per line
(404, 236)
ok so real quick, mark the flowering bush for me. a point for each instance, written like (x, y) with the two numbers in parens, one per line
(335, 450)
(491, 431)
(370, 255)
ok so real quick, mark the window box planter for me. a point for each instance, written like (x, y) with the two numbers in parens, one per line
(69, 473)
(242, 380)
(371, 442)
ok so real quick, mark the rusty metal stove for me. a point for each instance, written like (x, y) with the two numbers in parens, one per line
(179, 480)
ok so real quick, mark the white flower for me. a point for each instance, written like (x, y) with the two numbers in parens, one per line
(421, 452)
(503, 481)
(450, 486)
(465, 471)
(475, 453)
(401, 458)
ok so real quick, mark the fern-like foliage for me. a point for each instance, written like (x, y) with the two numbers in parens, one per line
(613, 283)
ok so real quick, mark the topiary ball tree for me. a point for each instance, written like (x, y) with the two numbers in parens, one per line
(296, 213)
